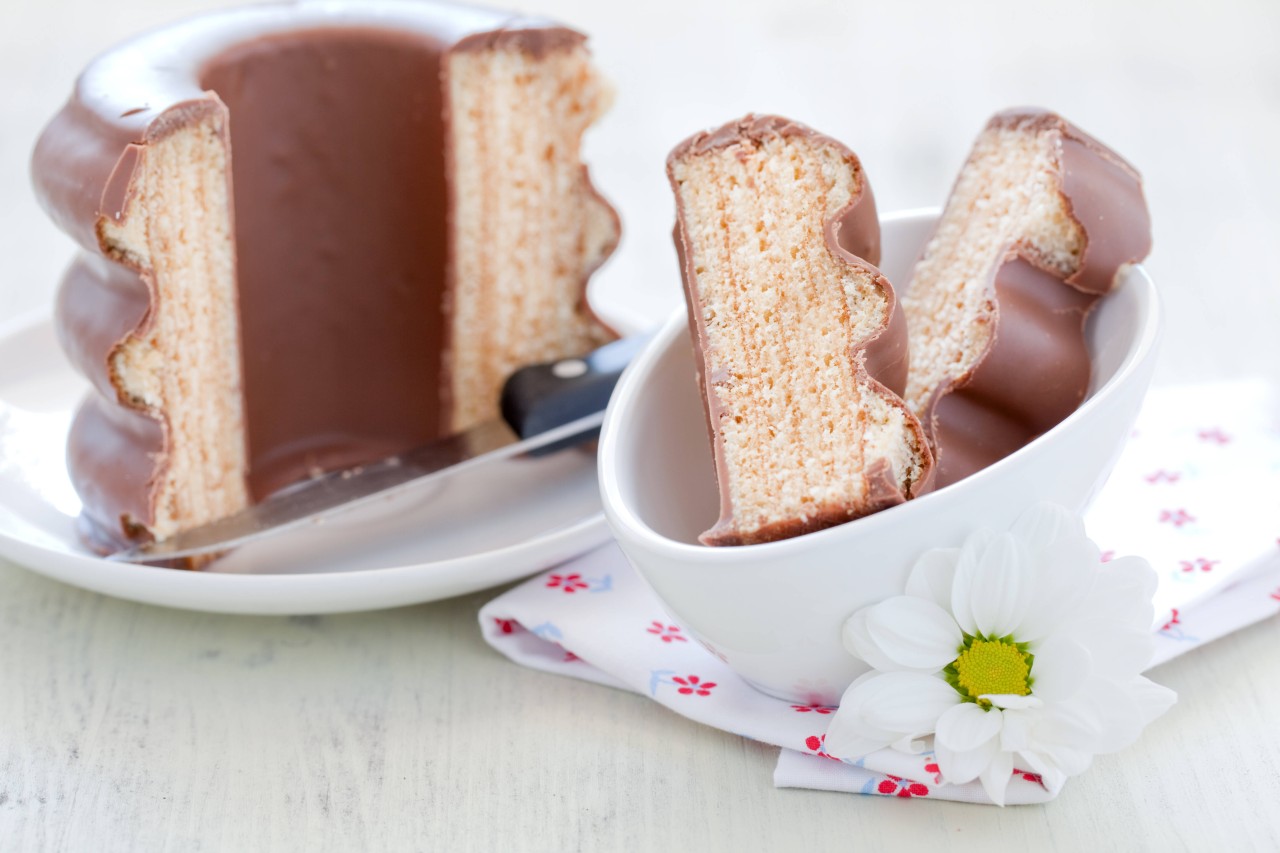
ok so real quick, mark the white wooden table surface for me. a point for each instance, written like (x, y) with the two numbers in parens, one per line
(130, 727)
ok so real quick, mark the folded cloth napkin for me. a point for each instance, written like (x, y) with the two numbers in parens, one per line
(1196, 492)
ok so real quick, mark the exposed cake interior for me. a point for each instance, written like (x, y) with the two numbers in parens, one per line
(302, 315)
(1008, 192)
(186, 363)
(530, 228)
(783, 316)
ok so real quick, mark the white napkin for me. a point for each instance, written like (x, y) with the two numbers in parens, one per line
(1196, 492)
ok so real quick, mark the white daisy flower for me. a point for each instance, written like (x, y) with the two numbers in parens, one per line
(1020, 646)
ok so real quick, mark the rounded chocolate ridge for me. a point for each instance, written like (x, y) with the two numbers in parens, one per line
(82, 167)
(853, 235)
(1037, 369)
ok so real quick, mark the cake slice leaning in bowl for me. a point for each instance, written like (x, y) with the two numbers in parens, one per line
(1040, 222)
(801, 349)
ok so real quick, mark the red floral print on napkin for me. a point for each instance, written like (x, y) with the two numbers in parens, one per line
(1176, 517)
(817, 744)
(666, 633)
(897, 786)
(1028, 776)
(1214, 436)
(567, 583)
(692, 685)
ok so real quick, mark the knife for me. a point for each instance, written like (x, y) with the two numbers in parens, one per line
(545, 408)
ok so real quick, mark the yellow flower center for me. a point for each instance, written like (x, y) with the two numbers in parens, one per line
(990, 666)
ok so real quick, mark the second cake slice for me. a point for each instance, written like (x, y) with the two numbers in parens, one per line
(802, 351)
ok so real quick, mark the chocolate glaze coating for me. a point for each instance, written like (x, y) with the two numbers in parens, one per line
(853, 235)
(82, 168)
(348, 368)
(1037, 369)
(132, 96)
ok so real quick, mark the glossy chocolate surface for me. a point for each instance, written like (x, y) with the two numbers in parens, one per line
(1034, 375)
(1037, 370)
(338, 130)
(341, 245)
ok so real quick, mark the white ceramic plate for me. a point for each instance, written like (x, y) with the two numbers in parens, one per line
(514, 519)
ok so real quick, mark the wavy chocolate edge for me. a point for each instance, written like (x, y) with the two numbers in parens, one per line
(117, 447)
(853, 235)
(83, 167)
(1037, 369)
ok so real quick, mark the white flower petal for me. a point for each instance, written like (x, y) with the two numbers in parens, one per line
(932, 576)
(966, 741)
(1073, 723)
(1133, 573)
(960, 767)
(1050, 774)
(1122, 594)
(1065, 578)
(994, 589)
(849, 735)
(857, 688)
(905, 702)
(1072, 557)
(915, 634)
(995, 778)
(887, 709)
(1122, 724)
(909, 744)
(1045, 524)
(967, 727)
(860, 644)
(1062, 561)
(1015, 730)
(1012, 701)
(962, 582)
(1153, 699)
(1065, 760)
(1118, 651)
(844, 741)
(1120, 708)
(1060, 668)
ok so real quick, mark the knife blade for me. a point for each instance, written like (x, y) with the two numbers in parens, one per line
(545, 408)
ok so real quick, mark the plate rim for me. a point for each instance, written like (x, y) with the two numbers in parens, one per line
(391, 586)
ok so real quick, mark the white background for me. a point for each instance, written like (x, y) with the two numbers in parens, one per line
(131, 727)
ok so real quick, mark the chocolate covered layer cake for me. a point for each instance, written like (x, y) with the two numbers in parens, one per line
(800, 346)
(313, 235)
(1039, 223)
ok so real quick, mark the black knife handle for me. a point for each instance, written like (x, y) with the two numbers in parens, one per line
(541, 397)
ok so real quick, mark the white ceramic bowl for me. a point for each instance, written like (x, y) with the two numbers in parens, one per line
(774, 611)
